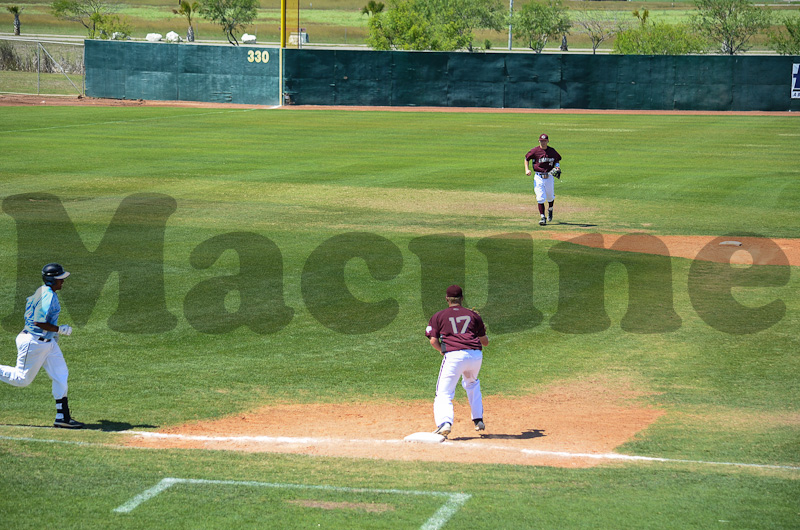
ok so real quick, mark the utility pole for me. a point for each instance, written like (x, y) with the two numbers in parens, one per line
(510, 13)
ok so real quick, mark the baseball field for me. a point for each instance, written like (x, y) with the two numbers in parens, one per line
(249, 292)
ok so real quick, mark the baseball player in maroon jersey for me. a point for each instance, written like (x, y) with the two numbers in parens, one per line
(544, 158)
(459, 335)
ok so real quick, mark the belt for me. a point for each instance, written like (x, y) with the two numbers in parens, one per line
(37, 337)
(543, 175)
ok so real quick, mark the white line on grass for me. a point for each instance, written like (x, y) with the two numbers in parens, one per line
(65, 442)
(306, 441)
(532, 452)
(145, 495)
(617, 456)
(437, 520)
(257, 439)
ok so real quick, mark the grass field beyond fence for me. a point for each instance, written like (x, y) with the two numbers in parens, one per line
(303, 178)
(338, 21)
(36, 67)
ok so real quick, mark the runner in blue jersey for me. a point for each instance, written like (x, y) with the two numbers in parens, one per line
(37, 344)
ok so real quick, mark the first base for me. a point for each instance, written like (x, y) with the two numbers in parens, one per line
(425, 437)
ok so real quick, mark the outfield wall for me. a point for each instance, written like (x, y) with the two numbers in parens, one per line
(177, 72)
(126, 70)
(549, 81)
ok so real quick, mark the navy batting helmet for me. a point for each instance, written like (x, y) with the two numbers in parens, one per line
(52, 272)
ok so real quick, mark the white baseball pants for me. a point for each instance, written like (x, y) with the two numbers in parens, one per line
(32, 354)
(464, 364)
(544, 188)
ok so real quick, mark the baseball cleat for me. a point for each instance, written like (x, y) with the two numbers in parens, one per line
(68, 424)
(549, 215)
(543, 220)
(444, 429)
(479, 425)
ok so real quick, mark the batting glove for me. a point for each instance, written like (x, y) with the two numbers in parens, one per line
(65, 330)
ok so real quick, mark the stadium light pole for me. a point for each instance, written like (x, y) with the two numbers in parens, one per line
(510, 14)
(280, 53)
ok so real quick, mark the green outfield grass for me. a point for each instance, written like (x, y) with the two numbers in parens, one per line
(300, 178)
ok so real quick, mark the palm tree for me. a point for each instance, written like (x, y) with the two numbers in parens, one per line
(15, 10)
(188, 10)
(372, 8)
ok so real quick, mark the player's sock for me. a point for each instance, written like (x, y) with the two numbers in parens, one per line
(62, 410)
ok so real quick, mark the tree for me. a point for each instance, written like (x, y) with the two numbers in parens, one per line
(439, 25)
(15, 10)
(730, 23)
(465, 16)
(599, 25)
(232, 15)
(188, 11)
(786, 40)
(87, 12)
(540, 20)
(657, 38)
(372, 8)
(405, 26)
(112, 26)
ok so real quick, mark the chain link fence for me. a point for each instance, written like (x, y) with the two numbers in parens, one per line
(41, 67)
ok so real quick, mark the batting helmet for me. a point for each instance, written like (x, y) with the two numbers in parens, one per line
(52, 272)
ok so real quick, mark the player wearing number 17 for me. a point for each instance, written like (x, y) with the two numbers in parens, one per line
(459, 335)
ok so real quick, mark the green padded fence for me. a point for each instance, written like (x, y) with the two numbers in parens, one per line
(247, 74)
(548, 81)
(182, 72)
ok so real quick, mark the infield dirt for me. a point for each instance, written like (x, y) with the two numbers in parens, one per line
(593, 416)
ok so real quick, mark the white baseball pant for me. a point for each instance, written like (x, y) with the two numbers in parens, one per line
(32, 354)
(544, 188)
(464, 364)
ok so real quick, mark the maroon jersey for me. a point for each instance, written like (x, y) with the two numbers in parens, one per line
(458, 328)
(543, 159)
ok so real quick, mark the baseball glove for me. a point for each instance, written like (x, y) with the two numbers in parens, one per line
(555, 172)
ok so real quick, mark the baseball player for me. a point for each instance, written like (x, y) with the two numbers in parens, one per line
(545, 159)
(459, 335)
(37, 344)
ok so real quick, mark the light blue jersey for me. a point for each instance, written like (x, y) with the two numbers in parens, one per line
(42, 306)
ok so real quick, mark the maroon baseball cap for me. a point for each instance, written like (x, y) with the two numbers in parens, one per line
(454, 291)
(544, 137)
